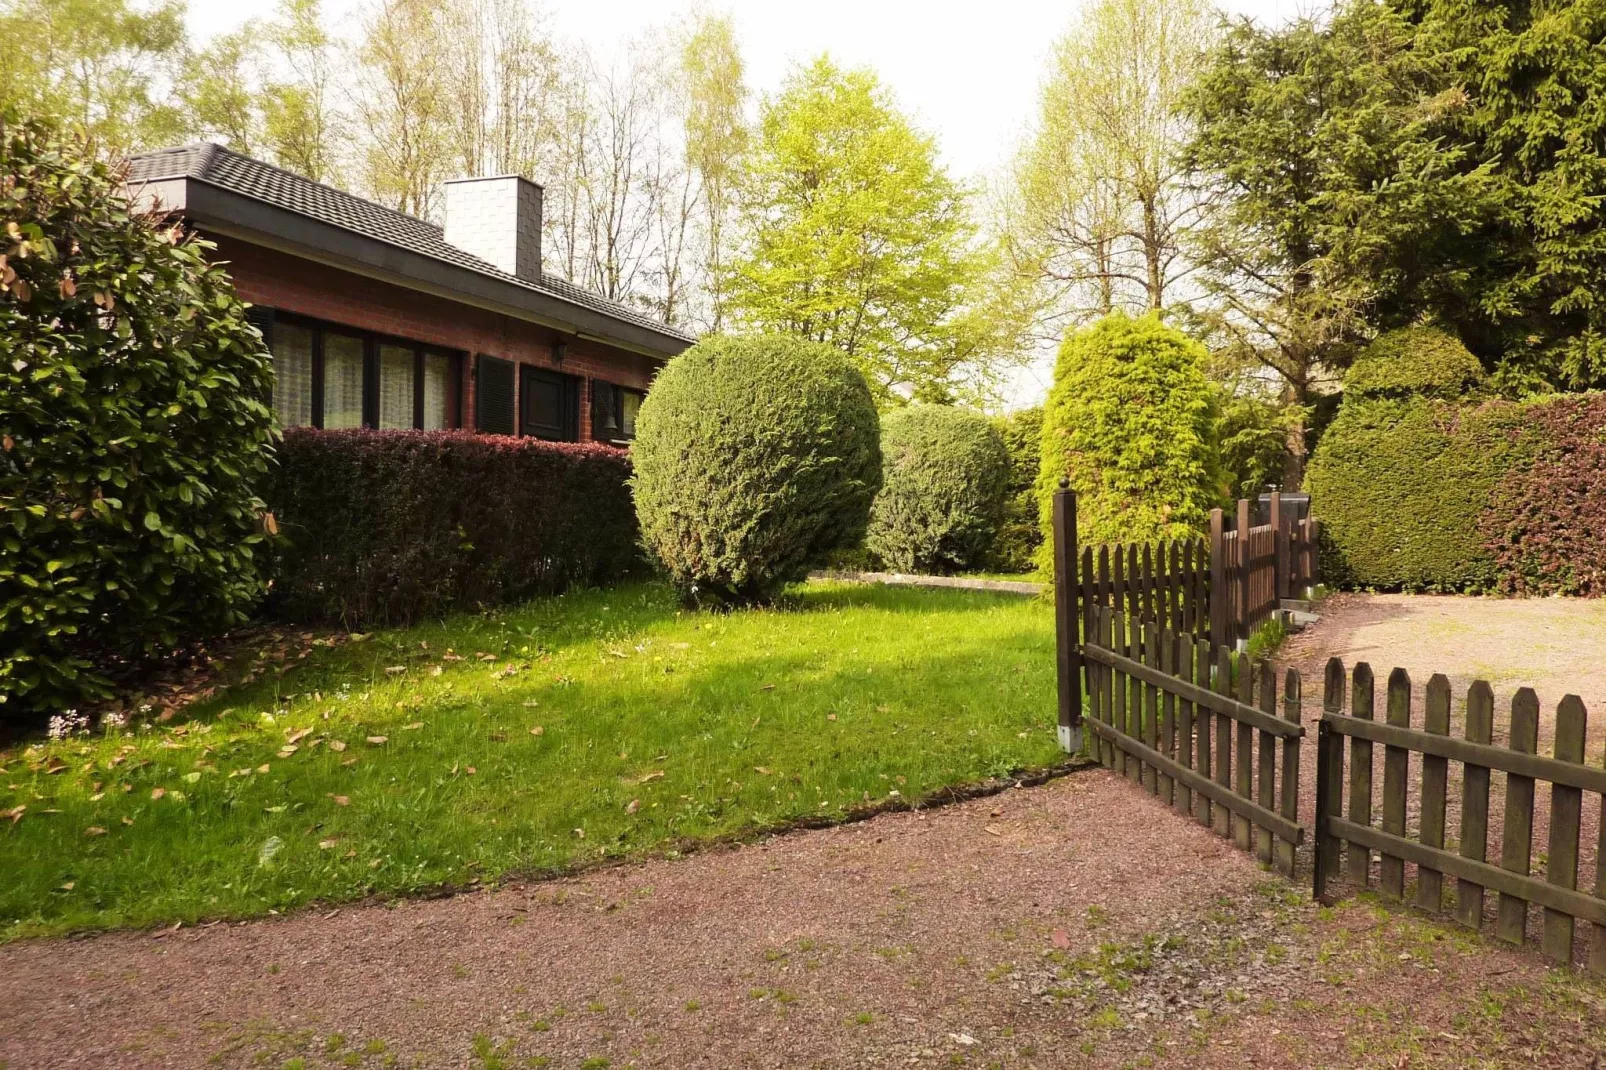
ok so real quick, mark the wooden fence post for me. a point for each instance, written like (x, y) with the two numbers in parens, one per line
(1219, 600)
(1067, 619)
(1240, 628)
(1279, 532)
(1329, 773)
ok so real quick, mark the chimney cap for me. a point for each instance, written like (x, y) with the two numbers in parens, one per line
(492, 178)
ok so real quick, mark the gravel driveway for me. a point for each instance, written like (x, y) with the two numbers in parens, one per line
(1073, 924)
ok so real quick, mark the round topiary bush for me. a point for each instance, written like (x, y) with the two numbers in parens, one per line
(1131, 422)
(942, 497)
(132, 401)
(1415, 362)
(754, 457)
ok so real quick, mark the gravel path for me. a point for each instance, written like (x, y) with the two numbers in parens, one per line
(1073, 924)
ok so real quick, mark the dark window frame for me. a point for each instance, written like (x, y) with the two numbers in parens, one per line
(371, 341)
(615, 392)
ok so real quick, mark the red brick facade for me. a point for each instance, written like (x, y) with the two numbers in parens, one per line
(291, 284)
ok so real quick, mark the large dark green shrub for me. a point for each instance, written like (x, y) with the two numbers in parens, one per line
(755, 457)
(945, 477)
(1404, 472)
(132, 395)
(1014, 549)
(1131, 422)
(1400, 486)
(387, 527)
(1545, 527)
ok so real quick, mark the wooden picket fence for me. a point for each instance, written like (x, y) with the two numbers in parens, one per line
(1220, 588)
(1512, 880)
(1182, 717)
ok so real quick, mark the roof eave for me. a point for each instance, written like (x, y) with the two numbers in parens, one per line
(236, 215)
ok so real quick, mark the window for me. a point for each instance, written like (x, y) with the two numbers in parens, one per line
(333, 377)
(292, 375)
(613, 411)
(550, 406)
(396, 386)
(343, 368)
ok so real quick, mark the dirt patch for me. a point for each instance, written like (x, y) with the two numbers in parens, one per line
(1074, 924)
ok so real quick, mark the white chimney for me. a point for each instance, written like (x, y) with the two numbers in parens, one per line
(497, 219)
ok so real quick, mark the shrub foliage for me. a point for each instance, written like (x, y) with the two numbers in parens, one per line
(1131, 423)
(946, 474)
(132, 395)
(1544, 524)
(1014, 549)
(755, 457)
(1400, 486)
(387, 527)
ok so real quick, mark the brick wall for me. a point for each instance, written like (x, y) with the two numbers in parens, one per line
(290, 284)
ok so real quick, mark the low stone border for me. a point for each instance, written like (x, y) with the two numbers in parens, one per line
(900, 579)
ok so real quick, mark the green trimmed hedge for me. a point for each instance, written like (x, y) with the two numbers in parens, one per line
(382, 528)
(755, 458)
(1400, 488)
(945, 477)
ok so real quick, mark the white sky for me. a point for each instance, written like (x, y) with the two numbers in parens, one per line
(968, 72)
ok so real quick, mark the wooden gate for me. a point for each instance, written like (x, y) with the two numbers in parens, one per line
(1182, 718)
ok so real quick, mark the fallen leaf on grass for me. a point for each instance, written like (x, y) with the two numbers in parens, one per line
(654, 775)
(378, 741)
(336, 745)
(285, 752)
(830, 717)
(99, 795)
(263, 768)
(128, 821)
(633, 806)
(537, 730)
(341, 800)
(415, 726)
(297, 736)
(324, 845)
(15, 813)
(992, 830)
(94, 830)
(276, 809)
(470, 770)
(1062, 939)
(767, 687)
(69, 886)
(157, 793)
(761, 770)
(436, 671)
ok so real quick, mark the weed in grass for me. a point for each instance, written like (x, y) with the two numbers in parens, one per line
(863, 1018)
(634, 699)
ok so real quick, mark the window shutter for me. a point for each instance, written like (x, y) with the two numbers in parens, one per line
(493, 395)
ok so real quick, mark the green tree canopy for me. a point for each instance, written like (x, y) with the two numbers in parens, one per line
(1131, 422)
(856, 237)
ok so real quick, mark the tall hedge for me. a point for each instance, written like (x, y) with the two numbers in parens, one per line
(755, 457)
(388, 527)
(135, 430)
(1545, 526)
(1131, 422)
(945, 478)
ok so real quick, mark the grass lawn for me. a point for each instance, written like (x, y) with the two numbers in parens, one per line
(601, 724)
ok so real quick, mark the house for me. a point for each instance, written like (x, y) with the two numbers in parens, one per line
(378, 319)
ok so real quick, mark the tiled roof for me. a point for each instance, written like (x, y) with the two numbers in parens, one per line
(248, 177)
